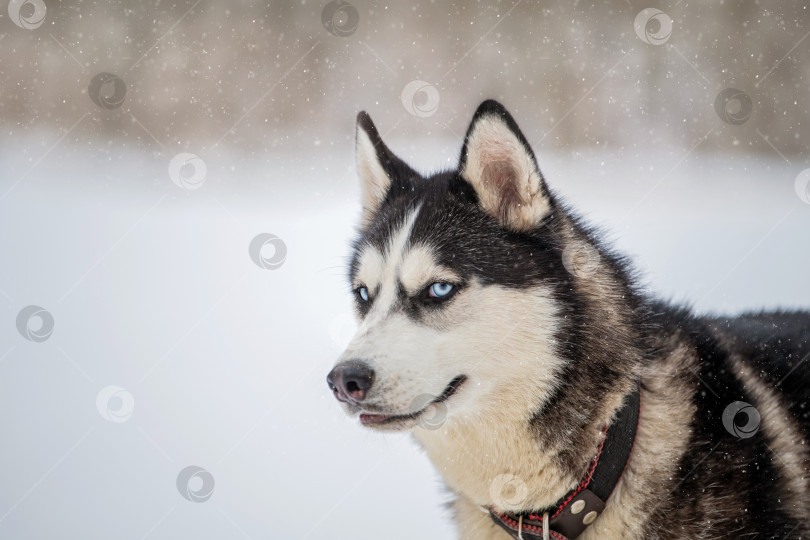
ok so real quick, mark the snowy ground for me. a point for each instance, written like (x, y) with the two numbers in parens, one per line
(152, 289)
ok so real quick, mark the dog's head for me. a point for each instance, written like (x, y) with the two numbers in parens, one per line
(457, 279)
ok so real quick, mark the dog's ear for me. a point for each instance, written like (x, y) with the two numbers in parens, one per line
(377, 166)
(499, 164)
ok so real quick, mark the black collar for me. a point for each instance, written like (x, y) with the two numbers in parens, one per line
(580, 507)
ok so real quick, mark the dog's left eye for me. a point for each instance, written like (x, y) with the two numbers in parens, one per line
(440, 290)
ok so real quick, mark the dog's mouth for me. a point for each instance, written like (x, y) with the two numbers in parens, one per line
(402, 420)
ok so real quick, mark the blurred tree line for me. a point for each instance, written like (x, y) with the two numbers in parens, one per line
(260, 74)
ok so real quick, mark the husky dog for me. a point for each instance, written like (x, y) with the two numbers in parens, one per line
(556, 399)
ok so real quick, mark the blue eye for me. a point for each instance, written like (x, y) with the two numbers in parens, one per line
(362, 292)
(440, 290)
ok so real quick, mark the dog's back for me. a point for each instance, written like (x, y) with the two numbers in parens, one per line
(746, 456)
(777, 344)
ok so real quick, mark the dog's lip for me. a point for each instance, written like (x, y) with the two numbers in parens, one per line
(372, 418)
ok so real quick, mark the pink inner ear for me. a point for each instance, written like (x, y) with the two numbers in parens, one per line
(501, 178)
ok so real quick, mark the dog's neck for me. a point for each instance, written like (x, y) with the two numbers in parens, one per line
(500, 461)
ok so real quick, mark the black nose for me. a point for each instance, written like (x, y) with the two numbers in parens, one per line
(350, 381)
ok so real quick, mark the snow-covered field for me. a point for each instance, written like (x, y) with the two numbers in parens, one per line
(152, 289)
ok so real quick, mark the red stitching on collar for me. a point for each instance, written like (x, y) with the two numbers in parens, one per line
(588, 475)
(513, 524)
(582, 485)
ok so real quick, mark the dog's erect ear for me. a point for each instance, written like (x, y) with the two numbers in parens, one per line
(499, 164)
(377, 166)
